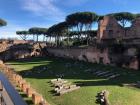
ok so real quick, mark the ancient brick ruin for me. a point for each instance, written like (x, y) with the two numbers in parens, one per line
(110, 29)
(15, 49)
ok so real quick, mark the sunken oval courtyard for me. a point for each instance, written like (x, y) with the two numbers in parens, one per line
(69, 82)
(86, 58)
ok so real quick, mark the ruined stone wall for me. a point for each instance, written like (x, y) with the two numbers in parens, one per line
(90, 54)
(4, 47)
(109, 28)
(96, 55)
(17, 51)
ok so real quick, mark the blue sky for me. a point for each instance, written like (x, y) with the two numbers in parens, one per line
(23, 14)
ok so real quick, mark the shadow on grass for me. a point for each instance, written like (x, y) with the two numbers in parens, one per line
(27, 100)
(53, 93)
(25, 97)
(71, 69)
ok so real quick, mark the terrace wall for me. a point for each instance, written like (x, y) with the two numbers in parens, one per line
(90, 54)
(96, 55)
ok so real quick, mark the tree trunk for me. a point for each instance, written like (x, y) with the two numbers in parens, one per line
(33, 37)
(68, 41)
(78, 33)
(37, 38)
(44, 38)
(87, 39)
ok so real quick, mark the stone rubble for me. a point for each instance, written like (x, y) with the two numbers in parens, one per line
(63, 86)
(102, 98)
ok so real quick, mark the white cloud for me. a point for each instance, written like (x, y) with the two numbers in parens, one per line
(44, 8)
(9, 31)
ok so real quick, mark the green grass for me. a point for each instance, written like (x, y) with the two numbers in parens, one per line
(90, 84)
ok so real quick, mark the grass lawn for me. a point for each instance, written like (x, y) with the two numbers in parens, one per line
(74, 71)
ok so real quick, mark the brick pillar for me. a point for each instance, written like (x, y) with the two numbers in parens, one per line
(18, 78)
(1, 63)
(37, 98)
(14, 76)
(21, 82)
(30, 91)
(25, 86)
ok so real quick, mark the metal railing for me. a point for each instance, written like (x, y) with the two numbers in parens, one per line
(8, 94)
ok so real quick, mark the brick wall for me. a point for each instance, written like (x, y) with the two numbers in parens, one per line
(95, 55)
(109, 28)
(91, 54)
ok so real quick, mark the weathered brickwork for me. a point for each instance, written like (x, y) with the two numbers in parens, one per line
(95, 55)
(109, 28)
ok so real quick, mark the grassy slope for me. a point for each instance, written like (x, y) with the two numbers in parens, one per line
(119, 95)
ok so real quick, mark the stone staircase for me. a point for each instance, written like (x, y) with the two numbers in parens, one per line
(104, 74)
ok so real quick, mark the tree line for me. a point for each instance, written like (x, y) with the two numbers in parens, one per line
(78, 26)
(35, 32)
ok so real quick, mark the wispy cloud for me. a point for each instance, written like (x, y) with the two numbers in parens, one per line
(44, 8)
(9, 31)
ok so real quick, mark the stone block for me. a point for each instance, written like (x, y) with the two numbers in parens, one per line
(72, 86)
(18, 78)
(14, 76)
(30, 91)
(25, 86)
(21, 82)
(69, 90)
(37, 98)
